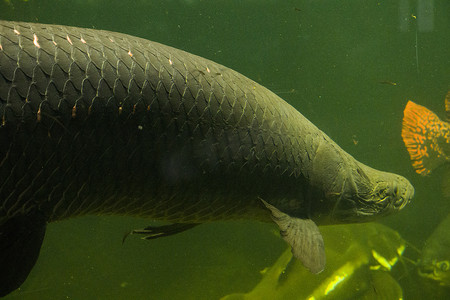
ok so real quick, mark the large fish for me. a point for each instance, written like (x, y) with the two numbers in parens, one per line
(435, 259)
(97, 122)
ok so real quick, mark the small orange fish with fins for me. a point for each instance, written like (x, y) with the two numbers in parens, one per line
(426, 137)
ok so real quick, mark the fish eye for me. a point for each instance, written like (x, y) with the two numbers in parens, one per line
(443, 265)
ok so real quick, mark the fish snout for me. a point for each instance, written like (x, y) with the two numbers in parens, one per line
(403, 192)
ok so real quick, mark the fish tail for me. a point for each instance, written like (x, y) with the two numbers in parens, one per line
(447, 105)
(425, 136)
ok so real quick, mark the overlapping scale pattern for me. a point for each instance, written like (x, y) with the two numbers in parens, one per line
(102, 122)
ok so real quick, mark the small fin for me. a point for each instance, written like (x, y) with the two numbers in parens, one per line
(423, 137)
(447, 105)
(303, 236)
(20, 242)
(154, 232)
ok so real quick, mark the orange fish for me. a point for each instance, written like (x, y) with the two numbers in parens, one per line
(426, 137)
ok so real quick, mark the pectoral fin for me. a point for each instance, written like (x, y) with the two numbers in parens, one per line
(154, 232)
(303, 236)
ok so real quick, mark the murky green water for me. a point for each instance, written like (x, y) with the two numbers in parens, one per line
(328, 59)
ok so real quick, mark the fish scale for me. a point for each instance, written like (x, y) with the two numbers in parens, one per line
(98, 122)
(75, 53)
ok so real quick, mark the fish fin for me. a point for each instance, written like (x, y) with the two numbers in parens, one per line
(154, 232)
(20, 243)
(424, 136)
(303, 236)
(447, 105)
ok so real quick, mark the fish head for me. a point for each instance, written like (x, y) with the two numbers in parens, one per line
(367, 194)
(438, 270)
(434, 262)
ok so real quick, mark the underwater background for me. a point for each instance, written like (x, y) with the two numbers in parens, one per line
(348, 66)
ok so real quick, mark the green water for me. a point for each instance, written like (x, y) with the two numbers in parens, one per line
(326, 58)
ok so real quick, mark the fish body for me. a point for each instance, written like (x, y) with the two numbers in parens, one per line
(435, 259)
(98, 122)
(426, 137)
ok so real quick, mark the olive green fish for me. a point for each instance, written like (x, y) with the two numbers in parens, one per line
(435, 259)
(97, 122)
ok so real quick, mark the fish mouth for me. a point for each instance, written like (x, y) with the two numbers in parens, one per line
(401, 196)
(427, 271)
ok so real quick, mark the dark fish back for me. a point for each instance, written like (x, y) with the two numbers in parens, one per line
(101, 122)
